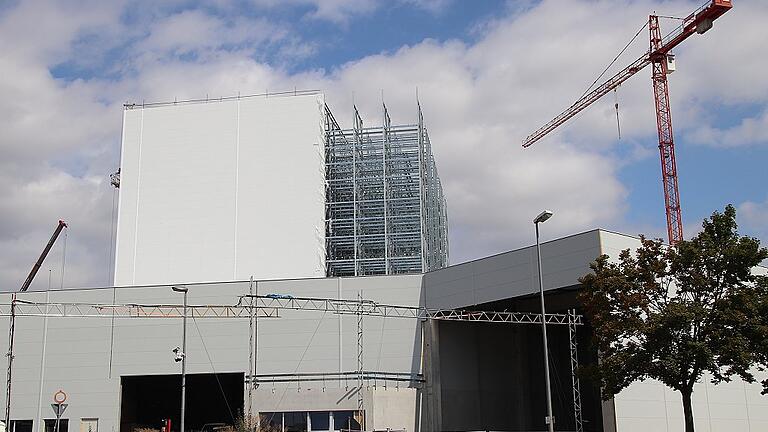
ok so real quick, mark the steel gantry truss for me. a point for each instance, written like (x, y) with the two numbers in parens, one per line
(274, 303)
(269, 306)
(251, 306)
(97, 310)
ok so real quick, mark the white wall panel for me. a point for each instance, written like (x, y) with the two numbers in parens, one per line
(650, 405)
(221, 190)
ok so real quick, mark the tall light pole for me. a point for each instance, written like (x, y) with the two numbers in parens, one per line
(182, 356)
(542, 217)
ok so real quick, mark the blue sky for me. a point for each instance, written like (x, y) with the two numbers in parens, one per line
(488, 73)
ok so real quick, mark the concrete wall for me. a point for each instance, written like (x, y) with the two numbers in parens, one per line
(222, 190)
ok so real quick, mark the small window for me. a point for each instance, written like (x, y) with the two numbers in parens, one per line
(271, 421)
(295, 421)
(20, 426)
(345, 421)
(320, 420)
(89, 425)
(50, 425)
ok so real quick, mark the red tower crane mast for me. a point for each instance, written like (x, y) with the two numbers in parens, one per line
(660, 58)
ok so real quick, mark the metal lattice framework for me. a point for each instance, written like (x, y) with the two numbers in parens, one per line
(24, 308)
(348, 377)
(269, 306)
(575, 385)
(273, 304)
(385, 210)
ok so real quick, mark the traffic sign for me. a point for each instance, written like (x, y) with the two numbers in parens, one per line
(60, 397)
(59, 408)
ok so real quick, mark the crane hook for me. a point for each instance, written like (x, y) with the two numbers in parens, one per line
(616, 105)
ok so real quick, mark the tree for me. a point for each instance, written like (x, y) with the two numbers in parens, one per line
(674, 313)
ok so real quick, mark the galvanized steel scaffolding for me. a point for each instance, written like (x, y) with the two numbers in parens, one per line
(385, 210)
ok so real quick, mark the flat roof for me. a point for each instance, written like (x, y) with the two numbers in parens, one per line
(142, 105)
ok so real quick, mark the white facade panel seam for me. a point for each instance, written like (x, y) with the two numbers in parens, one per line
(138, 207)
(237, 190)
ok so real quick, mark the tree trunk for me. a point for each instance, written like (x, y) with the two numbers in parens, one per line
(688, 410)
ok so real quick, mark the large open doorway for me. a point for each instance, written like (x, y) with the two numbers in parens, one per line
(213, 400)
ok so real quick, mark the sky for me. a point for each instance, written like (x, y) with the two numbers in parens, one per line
(487, 74)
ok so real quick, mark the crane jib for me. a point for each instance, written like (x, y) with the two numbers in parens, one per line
(698, 21)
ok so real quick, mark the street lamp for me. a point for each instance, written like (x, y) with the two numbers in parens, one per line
(182, 355)
(542, 217)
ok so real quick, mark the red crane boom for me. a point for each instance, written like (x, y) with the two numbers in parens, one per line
(658, 55)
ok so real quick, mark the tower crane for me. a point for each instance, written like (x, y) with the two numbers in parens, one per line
(662, 61)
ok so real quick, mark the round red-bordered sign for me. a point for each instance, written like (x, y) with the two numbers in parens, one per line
(60, 397)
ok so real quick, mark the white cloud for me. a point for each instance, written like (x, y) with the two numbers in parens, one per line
(196, 32)
(749, 131)
(753, 218)
(341, 11)
(60, 138)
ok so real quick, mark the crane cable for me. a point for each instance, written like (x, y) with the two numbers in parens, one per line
(215, 374)
(616, 104)
(614, 59)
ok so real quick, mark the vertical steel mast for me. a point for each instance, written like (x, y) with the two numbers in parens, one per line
(660, 65)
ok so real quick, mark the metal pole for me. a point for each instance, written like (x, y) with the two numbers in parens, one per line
(550, 419)
(58, 418)
(183, 356)
(11, 331)
(251, 378)
(184, 363)
(42, 353)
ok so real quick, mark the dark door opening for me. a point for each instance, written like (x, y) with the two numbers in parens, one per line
(212, 400)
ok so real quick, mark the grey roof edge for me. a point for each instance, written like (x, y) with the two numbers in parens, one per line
(142, 105)
(593, 230)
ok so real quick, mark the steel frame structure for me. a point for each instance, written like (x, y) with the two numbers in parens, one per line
(271, 305)
(666, 138)
(24, 308)
(268, 306)
(385, 209)
(575, 384)
(347, 377)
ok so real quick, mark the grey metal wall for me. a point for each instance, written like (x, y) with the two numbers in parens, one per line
(77, 353)
(512, 274)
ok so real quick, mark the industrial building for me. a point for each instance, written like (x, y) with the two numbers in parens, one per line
(225, 189)
(244, 202)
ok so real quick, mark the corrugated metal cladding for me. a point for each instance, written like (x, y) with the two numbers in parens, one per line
(221, 190)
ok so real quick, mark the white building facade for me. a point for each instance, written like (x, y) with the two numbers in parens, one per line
(221, 190)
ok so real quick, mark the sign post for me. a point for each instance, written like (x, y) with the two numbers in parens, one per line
(59, 407)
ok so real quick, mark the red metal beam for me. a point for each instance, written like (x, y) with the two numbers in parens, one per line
(666, 138)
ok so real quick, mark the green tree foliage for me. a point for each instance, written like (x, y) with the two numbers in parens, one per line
(674, 313)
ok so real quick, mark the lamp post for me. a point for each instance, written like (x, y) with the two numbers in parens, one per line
(182, 356)
(542, 217)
